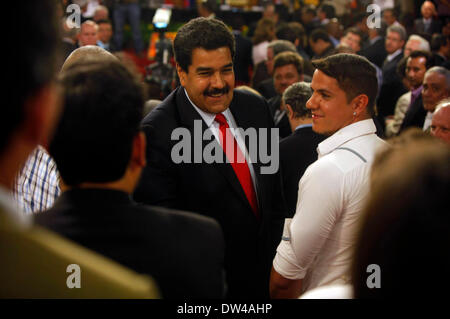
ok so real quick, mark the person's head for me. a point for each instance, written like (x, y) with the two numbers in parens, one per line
(265, 31)
(308, 14)
(416, 42)
(389, 16)
(276, 47)
(344, 90)
(204, 51)
(101, 13)
(294, 99)
(319, 41)
(287, 69)
(285, 32)
(334, 28)
(31, 108)
(436, 87)
(375, 32)
(441, 44)
(105, 31)
(88, 33)
(428, 10)
(446, 27)
(270, 12)
(352, 38)
(405, 219)
(416, 65)
(300, 32)
(98, 139)
(88, 53)
(361, 22)
(395, 38)
(440, 123)
(206, 8)
(326, 11)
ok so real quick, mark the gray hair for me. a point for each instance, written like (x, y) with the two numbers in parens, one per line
(398, 29)
(442, 71)
(424, 44)
(442, 104)
(279, 46)
(88, 53)
(296, 95)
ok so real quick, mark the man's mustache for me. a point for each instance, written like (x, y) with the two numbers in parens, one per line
(223, 90)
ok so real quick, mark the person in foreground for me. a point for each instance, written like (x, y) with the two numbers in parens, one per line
(316, 245)
(100, 152)
(242, 196)
(406, 222)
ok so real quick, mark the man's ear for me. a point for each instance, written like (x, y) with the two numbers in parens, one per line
(181, 74)
(289, 112)
(138, 155)
(42, 111)
(359, 104)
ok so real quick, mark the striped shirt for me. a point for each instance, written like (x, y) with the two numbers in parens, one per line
(37, 185)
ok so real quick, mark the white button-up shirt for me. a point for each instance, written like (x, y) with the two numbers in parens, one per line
(317, 245)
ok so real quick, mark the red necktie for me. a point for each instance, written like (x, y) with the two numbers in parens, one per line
(237, 160)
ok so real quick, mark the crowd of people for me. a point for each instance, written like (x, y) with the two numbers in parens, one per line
(287, 162)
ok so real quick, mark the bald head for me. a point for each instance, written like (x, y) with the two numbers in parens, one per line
(440, 124)
(89, 53)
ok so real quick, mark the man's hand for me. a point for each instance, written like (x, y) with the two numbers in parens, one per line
(282, 288)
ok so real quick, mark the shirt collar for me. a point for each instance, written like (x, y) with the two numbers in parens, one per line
(209, 117)
(302, 126)
(417, 91)
(390, 57)
(346, 134)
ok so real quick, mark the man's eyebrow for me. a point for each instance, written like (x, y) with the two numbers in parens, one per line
(321, 91)
(207, 69)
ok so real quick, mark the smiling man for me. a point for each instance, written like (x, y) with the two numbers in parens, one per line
(243, 200)
(316, 247)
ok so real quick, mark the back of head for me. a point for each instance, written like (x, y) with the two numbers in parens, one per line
(406, 225)
(279, 46)
(88, 53)
(285, 32)
(319, 34)
(208, 34)
(296, 95)
(103, 109)
(32, 62)
(355, 75)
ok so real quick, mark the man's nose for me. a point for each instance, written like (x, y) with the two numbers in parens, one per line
(217, 80)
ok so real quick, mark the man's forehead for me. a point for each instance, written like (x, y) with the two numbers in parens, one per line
(321, 81)
(434, 78)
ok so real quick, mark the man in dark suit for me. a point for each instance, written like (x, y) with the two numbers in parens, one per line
(287, 69)
(243, 195)
(375, 52)
(416, 65)
(392, 87)
(298, 150)
(427, 24)
(100, 154)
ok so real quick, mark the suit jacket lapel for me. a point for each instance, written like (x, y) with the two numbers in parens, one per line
(187, 117)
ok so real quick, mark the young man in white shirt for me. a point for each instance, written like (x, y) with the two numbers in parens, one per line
(316, 247)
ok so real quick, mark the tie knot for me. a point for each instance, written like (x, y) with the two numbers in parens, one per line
(220, 118)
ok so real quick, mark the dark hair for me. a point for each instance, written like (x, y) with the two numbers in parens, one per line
(296, 95)
(329, 10)
(32, 62)
(103, 21)
(355, 75)
(208, 34)
(438, 41)
(420, 53)
(406, 220)
(319, 34)
(286, 58)
(286, 32)
(103, 108)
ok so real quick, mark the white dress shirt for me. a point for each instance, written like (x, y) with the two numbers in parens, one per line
(317, 246)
